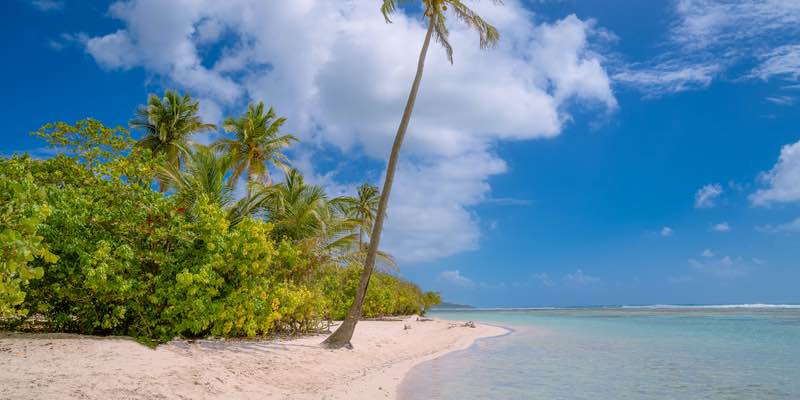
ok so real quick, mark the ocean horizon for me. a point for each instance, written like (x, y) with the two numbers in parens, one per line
(642, 352)
(612, 306)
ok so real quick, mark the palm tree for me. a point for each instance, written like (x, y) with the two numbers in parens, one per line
(258, 142)
(168, 123)
(203, 174)
(362, 208)
(437, 27)
(295, 209)
(319, 227)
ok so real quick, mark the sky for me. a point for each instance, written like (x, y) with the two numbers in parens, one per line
(604, 153)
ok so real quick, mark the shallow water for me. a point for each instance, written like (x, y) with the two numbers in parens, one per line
(621, 354)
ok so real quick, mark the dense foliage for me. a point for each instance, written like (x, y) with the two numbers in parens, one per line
(88, 246)
(23, 207)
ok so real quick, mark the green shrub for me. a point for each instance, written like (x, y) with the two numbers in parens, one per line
(23, 207)
(387, 295)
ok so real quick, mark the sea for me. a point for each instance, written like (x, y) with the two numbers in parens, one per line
(723, 352)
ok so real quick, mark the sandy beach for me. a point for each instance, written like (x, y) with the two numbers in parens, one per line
(50, 366)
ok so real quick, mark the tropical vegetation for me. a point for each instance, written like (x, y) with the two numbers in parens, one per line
(162, 237)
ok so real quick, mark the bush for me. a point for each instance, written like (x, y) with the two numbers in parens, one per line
(130, 263)
(387, 295)
(23, 207)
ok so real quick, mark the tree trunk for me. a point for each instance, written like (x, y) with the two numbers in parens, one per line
(341, 337)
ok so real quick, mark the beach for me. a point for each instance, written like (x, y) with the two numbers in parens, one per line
(64, 366)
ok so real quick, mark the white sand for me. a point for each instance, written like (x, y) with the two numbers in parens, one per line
(60, 366)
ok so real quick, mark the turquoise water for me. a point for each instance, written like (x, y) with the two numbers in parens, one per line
(620, 354)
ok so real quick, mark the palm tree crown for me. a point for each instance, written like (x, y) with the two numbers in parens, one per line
(258, 142)
(297, 210)
(168, 123)
(362, 208)
(435, 12)
(203, 174)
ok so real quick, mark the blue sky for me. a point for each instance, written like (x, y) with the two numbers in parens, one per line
(604, 153)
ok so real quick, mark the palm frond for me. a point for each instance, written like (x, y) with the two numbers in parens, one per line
(489, 36)
(258, 142)
(441, 34)
(387, 8)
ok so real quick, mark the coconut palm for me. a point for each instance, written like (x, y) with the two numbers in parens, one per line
(303, 214)
(258, 143)
(295, 209)
(361, 208)
(168, 123)
(203, 174)
(435, 16)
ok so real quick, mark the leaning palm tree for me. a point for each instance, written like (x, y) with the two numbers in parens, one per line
(258, 142)
(168, 123)
(437, 27)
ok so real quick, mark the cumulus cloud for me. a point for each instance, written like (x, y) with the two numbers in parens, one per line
(707, 195)
(454, 277)
(721, 227)
(708, 253)
(782, 182)
(666, 232)
(710, 38)
(341, 75)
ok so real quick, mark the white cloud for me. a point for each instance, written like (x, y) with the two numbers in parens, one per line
(782, 181)
(782, 62)
(708, 253)
(454, 277)
(721, 227)
(706, 23)
(666, 231)
(341, 75)
(578, 278)
(710, 38)
(428, 216)
(668, 77)
(725, 267)
(48, 5)
(781, 100)
(68, 39)
(707, 195)
(159, 36)
(788, 227)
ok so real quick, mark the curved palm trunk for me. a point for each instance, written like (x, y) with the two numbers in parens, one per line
(341, 337)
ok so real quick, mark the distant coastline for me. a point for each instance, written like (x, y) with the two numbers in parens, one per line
(449, 306)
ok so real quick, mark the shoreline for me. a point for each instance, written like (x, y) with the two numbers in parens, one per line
(86, 367)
